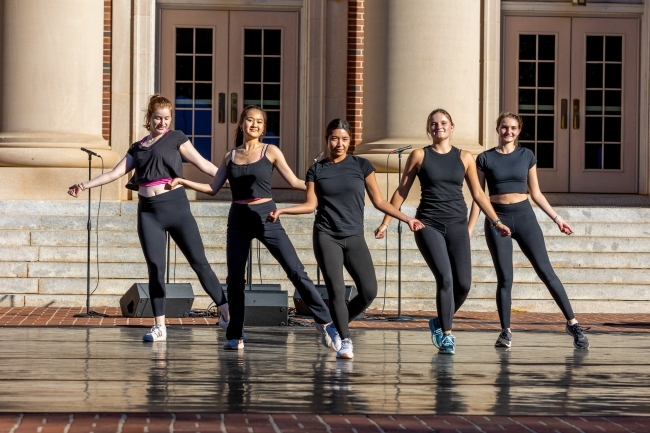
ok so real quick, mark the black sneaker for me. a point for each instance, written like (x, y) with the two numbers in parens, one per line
(505, 339)
(580, 340)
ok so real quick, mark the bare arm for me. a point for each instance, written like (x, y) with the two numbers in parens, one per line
(311, 201)
(475, 210)
(212, 188)
(191, 155)
(122, 167)
(276, 156)
(540, 200)
(477, 192)
(380, 204)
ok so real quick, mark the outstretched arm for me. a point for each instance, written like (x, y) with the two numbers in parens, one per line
(380, 204)
(191, 155)
(311, 201)
(475, 210)
(122, 167)
(212, 188)
(540, 200)
(275, 155)
(478, 194)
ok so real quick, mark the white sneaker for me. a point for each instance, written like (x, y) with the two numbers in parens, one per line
(156, 333)
(324, 336)
(224, 325)
(334, 336)
(346, 349)
(234, 344)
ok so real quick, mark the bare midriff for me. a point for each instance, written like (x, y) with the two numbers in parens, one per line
(508, 198)
(253, 201)
(150, 191)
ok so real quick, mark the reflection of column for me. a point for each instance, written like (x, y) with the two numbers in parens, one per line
(419, 55)
(51, 83)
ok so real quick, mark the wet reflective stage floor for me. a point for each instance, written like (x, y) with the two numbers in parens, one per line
(285, 370)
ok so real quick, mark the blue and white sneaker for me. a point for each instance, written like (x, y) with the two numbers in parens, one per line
(334, 335)
(224, 325)
(325, 338)
(448, 345)
(346, 351)
(234, 345)
(157, 333)
(436, 331)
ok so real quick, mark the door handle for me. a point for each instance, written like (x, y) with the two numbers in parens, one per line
(576, 114)
(233, 108)
(222, 108)
(563, 113)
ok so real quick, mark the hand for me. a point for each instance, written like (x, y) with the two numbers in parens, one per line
(74, 190)
(564, 226)
(273, 216)
(174, 183)
(380, 232)
(415, 224)
(503, 230)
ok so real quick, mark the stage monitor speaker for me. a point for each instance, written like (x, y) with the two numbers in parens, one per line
(137, 303)
(266, 307)
(303, 310)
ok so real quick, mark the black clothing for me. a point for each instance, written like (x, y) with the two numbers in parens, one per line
(249, 181)
(341, 189)
(448, 255)
(506, 173)
(524, 228)
(245, 223)
(334, 252)
(170, 212)
(158, 161)
(441, 179)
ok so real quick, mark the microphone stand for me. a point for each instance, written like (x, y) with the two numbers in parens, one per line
(89, 312)
(399, 317)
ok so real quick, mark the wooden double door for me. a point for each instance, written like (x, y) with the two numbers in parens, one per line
(575, 83)
(215, 63)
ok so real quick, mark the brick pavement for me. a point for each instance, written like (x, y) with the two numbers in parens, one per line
(331, 423)
(464, 321)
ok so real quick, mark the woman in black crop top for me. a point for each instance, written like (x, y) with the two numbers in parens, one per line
(510, 172)
(156, 160)
(336, 188)
(444, 242)
(248, 168)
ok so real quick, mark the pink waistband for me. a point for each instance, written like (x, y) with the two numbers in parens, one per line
(156, 182)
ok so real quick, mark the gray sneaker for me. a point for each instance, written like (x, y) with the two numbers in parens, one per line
(224, 325)
(157, 333)
(448, 345)
(580, 340)
(334, 335)
(505, 339)
(346, 351)
(325, 338)
(436, 331)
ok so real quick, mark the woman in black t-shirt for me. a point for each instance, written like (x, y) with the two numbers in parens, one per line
(156, 160)
(335, 188)
(511, 172)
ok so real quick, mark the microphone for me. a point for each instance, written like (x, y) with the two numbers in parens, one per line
(318, 157)
(401, 149)
(90, 152)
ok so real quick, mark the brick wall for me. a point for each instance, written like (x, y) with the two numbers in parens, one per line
(355, 71)
(106, 85)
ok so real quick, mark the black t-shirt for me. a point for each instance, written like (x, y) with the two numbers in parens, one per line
(506, 173)
(159, 161)
(340, 189)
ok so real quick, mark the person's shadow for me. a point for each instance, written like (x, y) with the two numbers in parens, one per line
(448, 399)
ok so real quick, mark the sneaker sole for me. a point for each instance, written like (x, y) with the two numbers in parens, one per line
(345, 356)
(233, 348)
(446, 352)
(574, 341)
(502, 345)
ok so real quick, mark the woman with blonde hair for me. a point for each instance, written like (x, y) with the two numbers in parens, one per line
(157, 159)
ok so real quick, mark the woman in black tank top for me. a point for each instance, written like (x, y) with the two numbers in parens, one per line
(444, 242)
(511, 172)
(248, 167)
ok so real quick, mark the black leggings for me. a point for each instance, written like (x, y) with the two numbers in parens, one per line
(170, 212)
(248, 222)
(332, 253)
(446, 250)
(524, 228)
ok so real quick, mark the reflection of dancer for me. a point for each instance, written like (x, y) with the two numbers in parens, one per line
(511, 172)
(444, 242)
(156, 160)
(248, 168)
(335, 187)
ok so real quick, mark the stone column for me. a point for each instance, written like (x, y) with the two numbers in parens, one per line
(419, 55)
(51, 87)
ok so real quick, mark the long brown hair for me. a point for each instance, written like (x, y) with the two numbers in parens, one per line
(516, 117)
(436, 111)
(239, 132)
(155, 102)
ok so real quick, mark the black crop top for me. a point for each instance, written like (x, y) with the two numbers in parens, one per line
(158, 161)
(506, 173)
(248, 181)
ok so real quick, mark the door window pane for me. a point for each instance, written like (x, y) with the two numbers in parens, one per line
(203, 68)
(614, 49)
(594, 48)
(527, 47)
(545, 155)
(184, 68)
(252, 42)
(184, 41)
(272, 42)
(546, 74)
(594, 102)
(203, 41)
(593, 156)
(612, 157)
(593, 128)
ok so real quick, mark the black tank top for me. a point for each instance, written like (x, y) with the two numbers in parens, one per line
(441, 178)
(249, 181)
